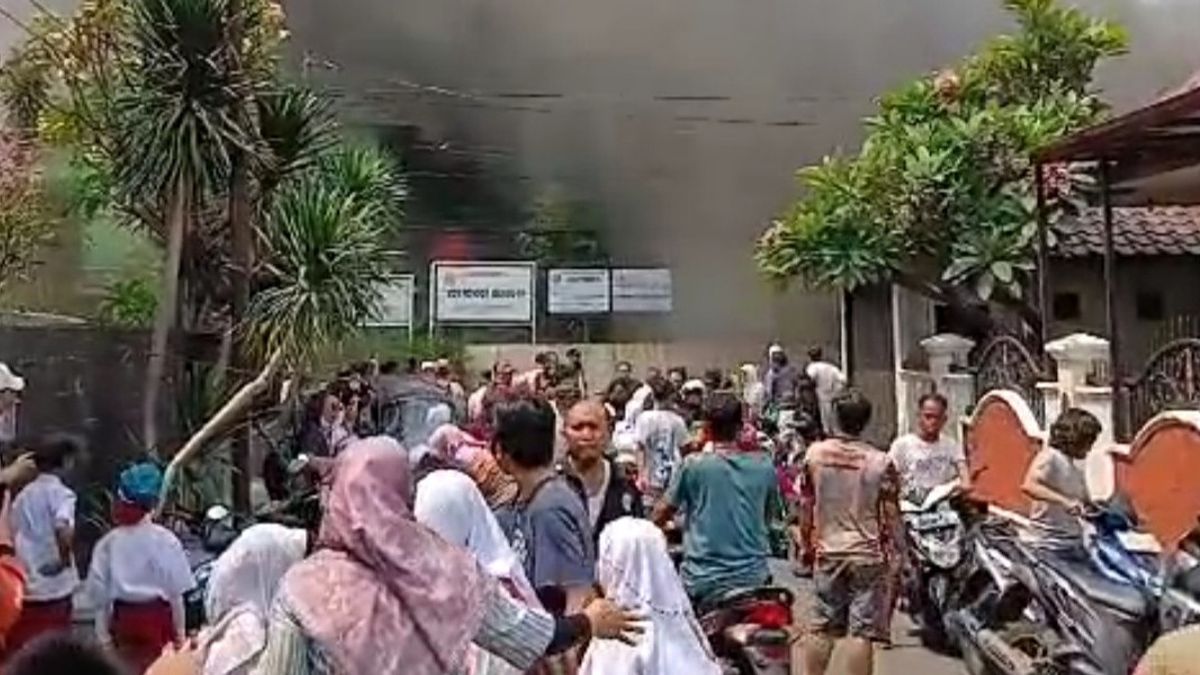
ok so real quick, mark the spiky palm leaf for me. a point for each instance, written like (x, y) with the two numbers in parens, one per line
(325, 255)
(296, 129)
(178, 119)
(369, 172)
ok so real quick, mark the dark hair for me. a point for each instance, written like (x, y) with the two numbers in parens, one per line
(679, 370)
(485, 375)
(661, 389)
(815, 353)
(1074, 431)
(574, 353)
(853, 411)
(53, 451)
(61, 654)
(525, 429)
(933, 396)
(723, 412)
(389, 368)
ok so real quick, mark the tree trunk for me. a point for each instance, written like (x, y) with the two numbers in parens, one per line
(242, 238)
(165, 315)
(229, 414)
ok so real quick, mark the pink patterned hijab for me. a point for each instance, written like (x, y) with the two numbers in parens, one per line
(384, 594)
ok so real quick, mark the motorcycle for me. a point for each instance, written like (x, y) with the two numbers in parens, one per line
(934, 531)
(1027, 612)
(747, 629)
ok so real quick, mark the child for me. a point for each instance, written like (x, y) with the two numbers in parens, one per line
(636, 572)
(1058, 487)
(43, 521)
(139, 574)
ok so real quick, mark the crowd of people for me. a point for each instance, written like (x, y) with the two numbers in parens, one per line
(526, 534)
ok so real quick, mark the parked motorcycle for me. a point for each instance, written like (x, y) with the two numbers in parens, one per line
(1028, 612)
(935, 535)
(747, 629)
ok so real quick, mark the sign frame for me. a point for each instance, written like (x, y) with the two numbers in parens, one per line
(411, 279)
(607, 285)
(437, 265)
(613, 292)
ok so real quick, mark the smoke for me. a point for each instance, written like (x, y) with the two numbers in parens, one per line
(684, 120)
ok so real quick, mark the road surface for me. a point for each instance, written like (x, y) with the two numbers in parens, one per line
(906, 657)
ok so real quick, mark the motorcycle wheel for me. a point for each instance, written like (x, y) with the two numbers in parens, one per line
(1027, 637)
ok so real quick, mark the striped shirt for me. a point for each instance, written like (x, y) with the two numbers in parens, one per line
(510, 629)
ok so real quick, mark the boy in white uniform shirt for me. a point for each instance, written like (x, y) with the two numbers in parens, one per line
(43, 520)
(139, 574)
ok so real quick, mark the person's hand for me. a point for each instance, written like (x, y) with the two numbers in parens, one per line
(19, 472)
(1076, 508)
(183, 660)
(610, 622)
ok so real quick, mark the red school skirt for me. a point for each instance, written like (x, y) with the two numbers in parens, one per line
(38, 618)
(140, 631)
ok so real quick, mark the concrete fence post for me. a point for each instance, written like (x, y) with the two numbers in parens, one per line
(948, 357)
(1077, 356)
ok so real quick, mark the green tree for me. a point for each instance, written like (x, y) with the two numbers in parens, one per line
(25, 223)
(941, 197)
(325, 253)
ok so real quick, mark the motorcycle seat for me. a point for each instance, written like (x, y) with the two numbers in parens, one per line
(1124, 598)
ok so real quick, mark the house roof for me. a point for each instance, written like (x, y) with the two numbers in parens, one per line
(1137, 231)
(1157, 137)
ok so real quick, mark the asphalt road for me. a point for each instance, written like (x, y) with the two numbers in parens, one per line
(906, 657)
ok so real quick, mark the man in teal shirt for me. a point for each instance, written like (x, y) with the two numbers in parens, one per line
(727, 496)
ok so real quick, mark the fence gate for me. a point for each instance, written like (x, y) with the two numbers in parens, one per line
(1171, 379)
(1004, 362)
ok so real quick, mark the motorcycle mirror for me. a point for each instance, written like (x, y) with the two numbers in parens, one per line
(297, 465)
(217, 513)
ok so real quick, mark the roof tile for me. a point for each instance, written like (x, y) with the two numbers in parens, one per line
(1137, 231)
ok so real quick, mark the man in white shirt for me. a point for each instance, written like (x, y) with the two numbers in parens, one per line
(927, 459)
(830, 381)
(661, 436)
(44, 526)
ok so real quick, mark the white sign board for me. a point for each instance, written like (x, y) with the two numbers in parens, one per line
(484, 292)
(396, 303)
(641, 290)
(578, 291)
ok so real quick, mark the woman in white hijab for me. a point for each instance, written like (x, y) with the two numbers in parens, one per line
(754, 392)
(449, 503)
(636, 573)
(240, 592)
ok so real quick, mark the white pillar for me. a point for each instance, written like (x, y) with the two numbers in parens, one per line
(1077, 356)
(947, 352)
(948, 357)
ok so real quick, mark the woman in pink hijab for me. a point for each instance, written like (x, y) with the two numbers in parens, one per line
(383, 595)
(455, 445)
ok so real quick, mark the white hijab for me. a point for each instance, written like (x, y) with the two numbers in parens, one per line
(449, 503)
(240, 592)
(636, 572)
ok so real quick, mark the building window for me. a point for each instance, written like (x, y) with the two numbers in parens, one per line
(1067, 306)
(1150, 306)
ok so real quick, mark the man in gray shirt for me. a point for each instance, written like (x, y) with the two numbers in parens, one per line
(550, 527)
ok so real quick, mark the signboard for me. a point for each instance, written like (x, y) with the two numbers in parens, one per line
(578, 291)
(483, 292)
(396, 303)
(641, 290)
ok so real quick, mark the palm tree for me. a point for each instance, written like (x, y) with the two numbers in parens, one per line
(177, 129)
(324, 255)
